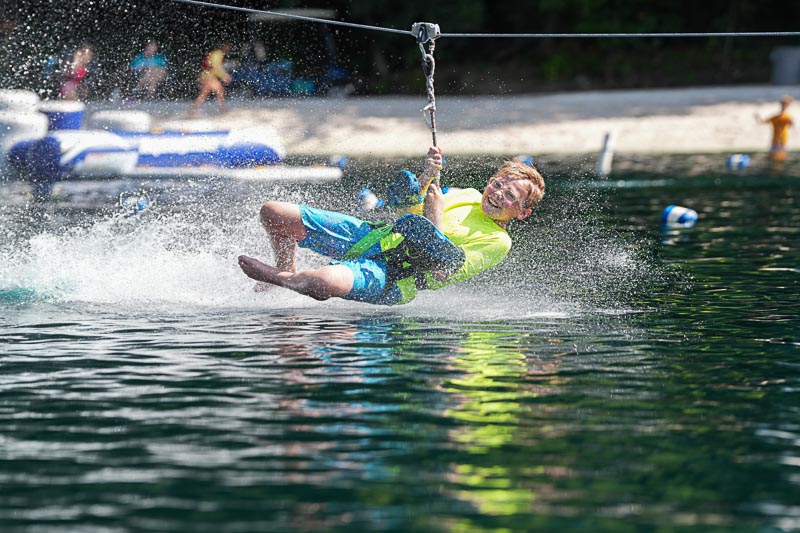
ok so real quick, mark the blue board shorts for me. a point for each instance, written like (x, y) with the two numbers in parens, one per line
(332, 234)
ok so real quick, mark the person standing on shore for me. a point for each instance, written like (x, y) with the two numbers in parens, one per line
(212, 77)
(780, 129)
(150, 67)
(76, 72)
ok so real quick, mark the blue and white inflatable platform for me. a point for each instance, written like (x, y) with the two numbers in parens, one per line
(123, 145)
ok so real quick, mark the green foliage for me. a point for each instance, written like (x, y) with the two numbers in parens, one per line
(382, 62)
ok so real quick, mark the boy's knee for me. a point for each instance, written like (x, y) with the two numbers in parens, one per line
(283, 219)
(271, 214)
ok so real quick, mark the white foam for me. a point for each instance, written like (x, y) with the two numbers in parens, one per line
(147, 261)
(174, 263)
(187, 260)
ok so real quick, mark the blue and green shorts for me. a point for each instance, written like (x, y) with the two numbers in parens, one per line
(332, 234)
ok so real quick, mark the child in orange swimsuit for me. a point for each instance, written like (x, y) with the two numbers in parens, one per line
(780, 128)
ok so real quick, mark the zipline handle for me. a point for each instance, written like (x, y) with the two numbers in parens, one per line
(425, 31)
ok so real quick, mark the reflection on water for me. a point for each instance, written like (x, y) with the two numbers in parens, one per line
(631, 379)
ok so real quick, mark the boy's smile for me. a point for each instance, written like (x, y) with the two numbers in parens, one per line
(502, 200)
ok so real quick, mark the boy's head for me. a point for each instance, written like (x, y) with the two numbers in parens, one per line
(785, 101)
(512, 192)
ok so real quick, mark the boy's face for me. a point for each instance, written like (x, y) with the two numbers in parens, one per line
(503, 199)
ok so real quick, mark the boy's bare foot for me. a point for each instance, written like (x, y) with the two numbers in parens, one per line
(254, 268)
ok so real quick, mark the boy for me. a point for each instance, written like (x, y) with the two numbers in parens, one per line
(474, 222)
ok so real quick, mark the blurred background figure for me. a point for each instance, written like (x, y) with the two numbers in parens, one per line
(76, 73)
(212, 77)
(781, 123)
(150, 68)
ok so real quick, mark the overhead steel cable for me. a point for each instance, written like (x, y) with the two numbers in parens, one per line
(292, 16)
(624, 35)
(425, 32)
(502, 35)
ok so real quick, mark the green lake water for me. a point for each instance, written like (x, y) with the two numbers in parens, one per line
(609, 376)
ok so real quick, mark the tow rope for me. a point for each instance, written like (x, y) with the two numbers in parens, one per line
(427, 32)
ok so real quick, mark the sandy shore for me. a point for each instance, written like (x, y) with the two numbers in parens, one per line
(695, 120)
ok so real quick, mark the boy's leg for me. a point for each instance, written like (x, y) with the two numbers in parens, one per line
(285, 228)
(327, 233)
(321, 283)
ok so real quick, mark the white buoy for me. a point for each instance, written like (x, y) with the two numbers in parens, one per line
(368, 201)
(527, 159)
(338, 161)
(676, 216)
(134, 203)
(606, 155)
(738, 161)
(121, 120)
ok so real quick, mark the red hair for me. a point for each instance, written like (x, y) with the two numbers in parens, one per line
(517, 170)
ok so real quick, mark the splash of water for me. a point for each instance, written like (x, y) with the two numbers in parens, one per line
(566, 262)
(132, 261)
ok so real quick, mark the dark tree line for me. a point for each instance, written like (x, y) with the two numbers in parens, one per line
(33, 30)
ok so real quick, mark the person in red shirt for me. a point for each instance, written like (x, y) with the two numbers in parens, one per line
(75, 73)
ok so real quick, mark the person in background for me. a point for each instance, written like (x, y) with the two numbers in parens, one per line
(76, 72)
(213, 77)
(150, 67)
(474, 222)
(781, 123)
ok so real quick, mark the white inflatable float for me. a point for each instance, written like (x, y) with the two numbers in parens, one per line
(121, 120)
(18, 100)
(18, 127)
(121, 144)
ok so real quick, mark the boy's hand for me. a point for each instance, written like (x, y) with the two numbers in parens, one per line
(434, 205)
(433, 161)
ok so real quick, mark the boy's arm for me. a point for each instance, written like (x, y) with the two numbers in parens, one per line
(433, 164)
(433, 209)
